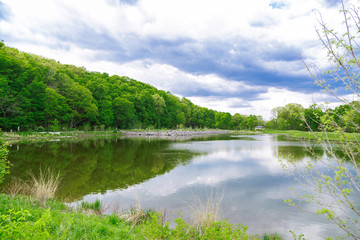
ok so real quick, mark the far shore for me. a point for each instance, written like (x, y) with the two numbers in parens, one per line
(77, 134)
(174, 133)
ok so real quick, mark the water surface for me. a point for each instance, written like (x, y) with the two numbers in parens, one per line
(169, 174)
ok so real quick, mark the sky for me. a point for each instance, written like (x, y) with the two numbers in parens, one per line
(235, 56)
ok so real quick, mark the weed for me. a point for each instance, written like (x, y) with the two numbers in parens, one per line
(136, 214)
(17, 186)
(45, 186)
(95, 207)
(272, 236)
(206, 212)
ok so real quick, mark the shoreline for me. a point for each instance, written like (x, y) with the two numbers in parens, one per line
(174, 133)
(67, 135)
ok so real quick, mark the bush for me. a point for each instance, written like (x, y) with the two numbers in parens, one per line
(156, 229)
(4, 163)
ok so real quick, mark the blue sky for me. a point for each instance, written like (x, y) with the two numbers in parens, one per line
(230, 55)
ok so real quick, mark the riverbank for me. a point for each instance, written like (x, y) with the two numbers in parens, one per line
(24, 217)
(304, 135)
(44, 136)
(12, 137)
(173, 133)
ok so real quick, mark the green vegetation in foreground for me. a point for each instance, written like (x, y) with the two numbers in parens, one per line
(23, 217)
(331, 136)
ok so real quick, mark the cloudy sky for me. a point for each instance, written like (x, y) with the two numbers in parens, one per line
(229, 55)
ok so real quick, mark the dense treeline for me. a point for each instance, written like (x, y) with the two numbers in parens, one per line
(293, 116)
(41, 94)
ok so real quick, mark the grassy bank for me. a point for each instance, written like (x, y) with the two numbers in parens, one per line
(24, 217)
(33, 136)
(28, 211)
(331, 136)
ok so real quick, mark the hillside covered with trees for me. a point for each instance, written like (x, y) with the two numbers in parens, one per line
(41, 94)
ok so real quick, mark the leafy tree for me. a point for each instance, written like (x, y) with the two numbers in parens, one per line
(288, 117)
(313, 116)
(9, 105)
(124, 113)
(160, 106)
(335, 185)
(81, 103)
(106, 113)
(56, 107)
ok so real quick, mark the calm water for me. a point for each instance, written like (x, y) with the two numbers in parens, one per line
(169, 174)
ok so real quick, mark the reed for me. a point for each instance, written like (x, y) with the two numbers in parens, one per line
(272, 236)
(95, 207)
(45, 185)
(207, 211)
(17, 186)
(137, 215)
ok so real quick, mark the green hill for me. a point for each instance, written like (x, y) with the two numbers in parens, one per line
(41, 94)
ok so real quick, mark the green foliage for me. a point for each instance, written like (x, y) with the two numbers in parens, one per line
(156, 229)
(23, 218)
(35, 91)
(297, 237)
(16, 225)
(95, 206)
(4, 163)
(273, 236)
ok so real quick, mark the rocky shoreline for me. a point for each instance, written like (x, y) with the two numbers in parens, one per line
(173, 133)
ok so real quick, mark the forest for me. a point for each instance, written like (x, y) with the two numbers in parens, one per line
(41, 94)
(293, 116)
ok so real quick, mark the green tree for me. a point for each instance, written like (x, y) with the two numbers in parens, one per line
(124, 113)
(313, 116)
(82, 104)
(106, 114)
(335, 185)
(9, 105)
(56, 107)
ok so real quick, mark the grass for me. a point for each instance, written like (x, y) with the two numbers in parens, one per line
(38, 216)
(41, 188)
(204, 212)
(273, 236)
(16, 186)
(33, 136)
(24, 217)
(95, 207)
(44, 186)
(331, 136)
(137, 215)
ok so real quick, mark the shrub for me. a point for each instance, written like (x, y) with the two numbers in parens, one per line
(4, 163)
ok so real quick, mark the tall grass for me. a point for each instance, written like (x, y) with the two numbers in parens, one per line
(45, 185)
(137, 215)
(95, 207)
(41, 187)
(16, 186)
(207, 211)
(273, 236)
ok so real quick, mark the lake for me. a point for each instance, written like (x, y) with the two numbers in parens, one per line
(170, 173)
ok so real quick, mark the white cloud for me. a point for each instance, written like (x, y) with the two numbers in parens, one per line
(265, 102)
(36, 26)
